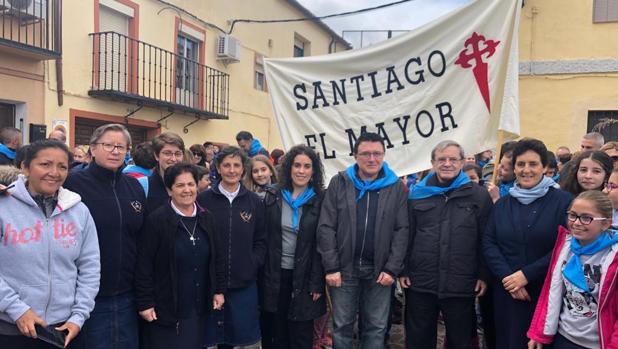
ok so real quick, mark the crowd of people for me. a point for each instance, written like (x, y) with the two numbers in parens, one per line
(159, 245)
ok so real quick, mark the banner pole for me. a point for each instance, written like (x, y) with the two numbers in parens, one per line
(499, 142)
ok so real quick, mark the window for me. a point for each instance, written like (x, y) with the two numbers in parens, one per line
(260, 80)
(606, 122)
(605, 11)
(186, 70)
(7, 115)
(301, 46)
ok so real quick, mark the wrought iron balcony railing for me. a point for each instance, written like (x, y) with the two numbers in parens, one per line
(134, 71)
(31, 27)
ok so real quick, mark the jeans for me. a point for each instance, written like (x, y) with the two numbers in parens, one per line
(422, 319)
(360, 293)
(112, 323)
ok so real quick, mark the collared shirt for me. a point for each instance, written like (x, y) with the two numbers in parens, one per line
(182, 214)
(229, 195)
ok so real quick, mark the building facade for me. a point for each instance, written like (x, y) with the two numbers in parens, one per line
(568, 53)
(153, 65)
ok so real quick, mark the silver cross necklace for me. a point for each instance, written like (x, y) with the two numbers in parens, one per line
(191, 233)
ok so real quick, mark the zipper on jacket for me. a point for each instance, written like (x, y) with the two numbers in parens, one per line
(360, 263)
(229, 250)
(49, 273)
(177, 328)
(119, 220)
(601, 307)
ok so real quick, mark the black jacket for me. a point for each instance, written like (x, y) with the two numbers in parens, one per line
(308, 275)
(337, 228)
(157, 193)
(4, 160)
(444, 251)
(156, 273)
(116, 203)
(239, 232)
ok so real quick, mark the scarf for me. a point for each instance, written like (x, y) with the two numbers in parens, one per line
(256, 146)
(8, 152)
(363, 186)
(527, 196)
(297, 203)
(505, 187)
(422, 190)
(574, 270)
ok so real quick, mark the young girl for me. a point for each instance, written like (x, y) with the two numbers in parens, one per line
(260, 173)
(578, 306)
(611, 189)
(590, 171)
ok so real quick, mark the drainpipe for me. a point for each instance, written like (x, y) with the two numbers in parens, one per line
(330, 45)
(58, 39)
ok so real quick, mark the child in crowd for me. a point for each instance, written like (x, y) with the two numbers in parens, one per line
(578, 306)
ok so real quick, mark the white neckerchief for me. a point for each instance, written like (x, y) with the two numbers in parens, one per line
(182, 214)
(230, 196)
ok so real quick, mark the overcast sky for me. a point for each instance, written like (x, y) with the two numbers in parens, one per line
(405, 16)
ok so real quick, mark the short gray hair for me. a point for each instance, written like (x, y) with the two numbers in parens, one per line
(445, 144)
(7, 134)
(100, 131)
(595, 136)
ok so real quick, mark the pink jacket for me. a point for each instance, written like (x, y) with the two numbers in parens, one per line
(547, 313)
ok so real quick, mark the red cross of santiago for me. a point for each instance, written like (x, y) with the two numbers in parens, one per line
(477, 48)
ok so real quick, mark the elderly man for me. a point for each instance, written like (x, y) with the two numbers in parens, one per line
(444, 270)
(592, 141)
(10, 142)
(362, 237)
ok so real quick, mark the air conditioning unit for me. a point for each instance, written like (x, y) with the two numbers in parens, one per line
(228, 49)
(25, 10)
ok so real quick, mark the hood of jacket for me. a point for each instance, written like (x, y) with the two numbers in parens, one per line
(66, 198)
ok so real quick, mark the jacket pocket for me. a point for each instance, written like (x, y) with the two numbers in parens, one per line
(35, 296)
(61, 300)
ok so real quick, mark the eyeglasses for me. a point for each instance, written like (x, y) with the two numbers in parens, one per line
(614, 158)
(584, 219)
(110, 147)
(611, 186)
(443, 161)
(197, 154)
(368, 155)
(169, 154)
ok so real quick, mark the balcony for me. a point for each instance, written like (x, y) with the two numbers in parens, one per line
(131, 71)
(31, 28)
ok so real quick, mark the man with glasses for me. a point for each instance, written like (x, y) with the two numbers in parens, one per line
(168, 150)
(116, 203)
(362, 238)
(443, 269)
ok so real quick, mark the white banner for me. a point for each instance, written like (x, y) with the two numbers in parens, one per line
(455, 78)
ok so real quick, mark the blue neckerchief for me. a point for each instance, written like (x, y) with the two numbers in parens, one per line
(255, 147)
(422, 190)
(10, 153)
(137, 169)
(505, 187)
(527, 196)
(574, 270)
(388, 179)
(556, 178)
(127, 158)
(297, 203)
(482, 163)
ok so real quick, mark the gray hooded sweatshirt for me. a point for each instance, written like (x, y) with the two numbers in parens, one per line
(50, 265)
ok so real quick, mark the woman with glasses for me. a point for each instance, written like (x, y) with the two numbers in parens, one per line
(199, 155)
(116, 203)
(611, 189)
(168, 150)
(590, 171)
(293, 279)
(518, 241)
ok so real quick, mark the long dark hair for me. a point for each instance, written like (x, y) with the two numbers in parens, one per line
(317, 179)
(570, 182)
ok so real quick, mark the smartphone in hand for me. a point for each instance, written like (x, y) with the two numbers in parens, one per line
(51, 336)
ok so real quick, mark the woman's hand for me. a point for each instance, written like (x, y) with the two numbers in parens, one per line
(149, 314)
(315, 295)
(26, 323)
(532, 344)
(217, 301)
(515, 281)
(73, 330)
(521, 295)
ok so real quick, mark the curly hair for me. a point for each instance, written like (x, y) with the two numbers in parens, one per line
(571, 184)
(317, 178)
